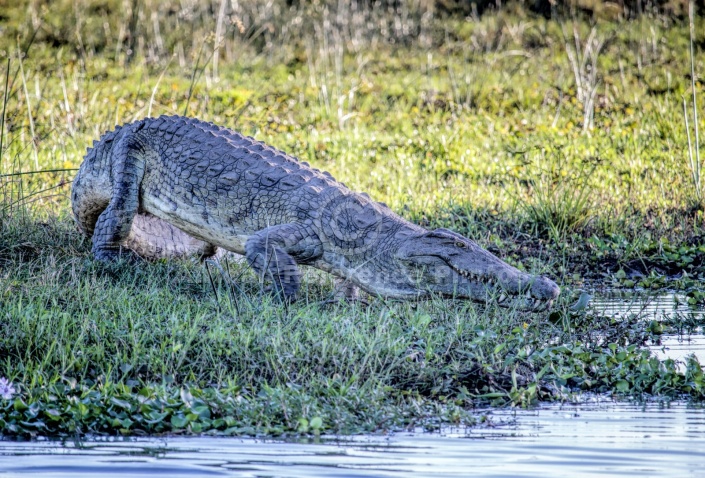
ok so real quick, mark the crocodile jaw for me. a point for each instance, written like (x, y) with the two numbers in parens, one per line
(509, 288)
(443, 262)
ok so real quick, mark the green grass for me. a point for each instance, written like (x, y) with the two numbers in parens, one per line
(469, 124)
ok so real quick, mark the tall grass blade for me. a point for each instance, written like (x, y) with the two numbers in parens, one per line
(4, 108)
(691, 29)
(29, 114)
(694, 171)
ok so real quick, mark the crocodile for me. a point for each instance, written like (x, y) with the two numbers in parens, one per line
(175, 186)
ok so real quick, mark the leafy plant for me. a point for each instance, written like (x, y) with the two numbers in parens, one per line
(559, 198)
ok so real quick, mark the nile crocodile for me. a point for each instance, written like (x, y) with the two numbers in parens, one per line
(173, 186)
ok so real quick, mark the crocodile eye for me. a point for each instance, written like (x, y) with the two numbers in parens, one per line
(461, 245)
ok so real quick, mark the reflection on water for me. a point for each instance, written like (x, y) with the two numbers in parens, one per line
(658, 307)
(594, 439)
(649, 306)
(678, 347)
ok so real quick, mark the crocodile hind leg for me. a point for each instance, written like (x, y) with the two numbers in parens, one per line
(153, 238)
(87, 205)
(275, 252)
(114, 223)
(346, 290)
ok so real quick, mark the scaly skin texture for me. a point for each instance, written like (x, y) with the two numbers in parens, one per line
(174, 186)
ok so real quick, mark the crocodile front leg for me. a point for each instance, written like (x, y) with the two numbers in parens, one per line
(275, 252)
(114, 223)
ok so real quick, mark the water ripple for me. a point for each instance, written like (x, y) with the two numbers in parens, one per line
(595, 439)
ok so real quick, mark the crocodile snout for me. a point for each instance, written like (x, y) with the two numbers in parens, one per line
(544, 289)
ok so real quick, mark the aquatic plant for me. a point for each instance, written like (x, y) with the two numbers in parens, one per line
(7, 390)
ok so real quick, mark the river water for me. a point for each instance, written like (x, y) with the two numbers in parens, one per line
(658, 307)
(597, 437)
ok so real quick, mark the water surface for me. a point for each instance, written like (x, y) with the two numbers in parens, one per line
(659, 306)
(594, 439)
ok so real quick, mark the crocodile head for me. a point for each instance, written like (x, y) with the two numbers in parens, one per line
(443, 262)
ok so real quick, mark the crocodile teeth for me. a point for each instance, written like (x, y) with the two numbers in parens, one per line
(489, 281)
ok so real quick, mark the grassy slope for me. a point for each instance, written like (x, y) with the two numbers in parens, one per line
(473, 125)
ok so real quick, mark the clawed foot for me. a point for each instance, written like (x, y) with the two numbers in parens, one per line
(346, 300)
(279, 294)
(118, 254)
(347, 292)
